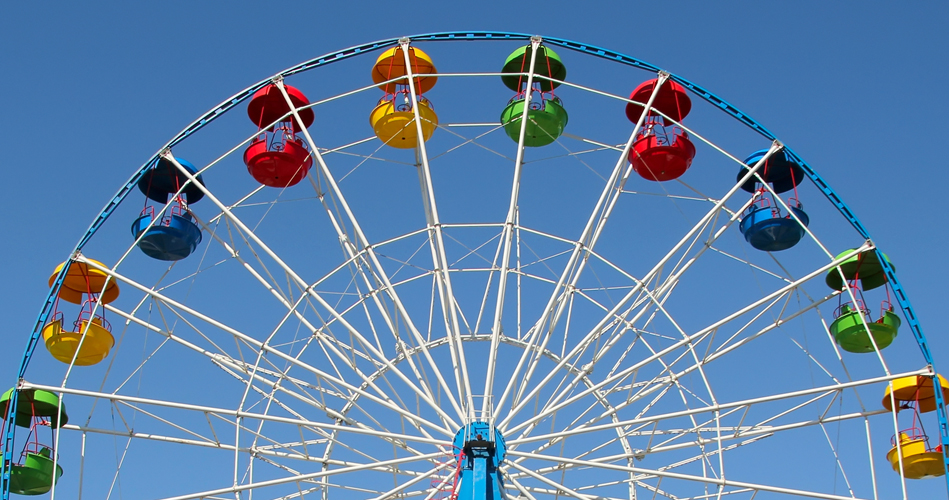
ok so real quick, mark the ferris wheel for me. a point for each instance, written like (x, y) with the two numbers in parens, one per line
(426, 269)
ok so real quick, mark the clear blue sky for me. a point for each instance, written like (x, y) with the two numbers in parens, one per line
(92, 90)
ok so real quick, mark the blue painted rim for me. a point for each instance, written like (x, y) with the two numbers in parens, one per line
(357, 50)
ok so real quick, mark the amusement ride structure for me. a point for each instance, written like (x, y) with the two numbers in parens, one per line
(473, 306)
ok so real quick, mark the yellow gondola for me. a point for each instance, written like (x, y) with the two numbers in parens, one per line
(63, 344)
(394, 123)
(918, 460)
(90, 339)
(916, 388)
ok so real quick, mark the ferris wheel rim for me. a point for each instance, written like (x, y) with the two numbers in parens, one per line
(479, 36)
(588, 49)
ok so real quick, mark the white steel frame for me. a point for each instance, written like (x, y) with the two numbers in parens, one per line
(546, 382)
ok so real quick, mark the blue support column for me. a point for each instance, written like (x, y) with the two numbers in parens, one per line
(482, 452)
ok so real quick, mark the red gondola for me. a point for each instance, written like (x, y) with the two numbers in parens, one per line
(662, 151)
(661, 154)
(277, 157)
(672, 101)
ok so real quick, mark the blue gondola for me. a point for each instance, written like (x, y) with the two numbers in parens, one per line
(175, 235)
(765, 229)
(764, 224)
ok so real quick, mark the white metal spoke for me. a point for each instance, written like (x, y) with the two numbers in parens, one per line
(324, 170)
(357, 260)
(672, 475)
(224, 412)
(301, 477)
(439, 257)
(261, 346)
(599, 328)
(600, 214)
(508, 233)
(300, 282)
(720, 406)
(694, 338)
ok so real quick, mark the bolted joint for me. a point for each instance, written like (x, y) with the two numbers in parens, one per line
(404, 41)
(537, 39)
(277, 80)
(72, 258)
(663, 76)
(334, 415)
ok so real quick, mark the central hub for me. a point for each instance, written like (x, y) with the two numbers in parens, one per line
(481, 450)
(480, 438)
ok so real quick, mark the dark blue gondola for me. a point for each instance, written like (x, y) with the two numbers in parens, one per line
(765, 226)
(175, 235)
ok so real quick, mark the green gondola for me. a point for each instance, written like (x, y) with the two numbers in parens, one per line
(544, 125)
(35, 403)
(35, 476)
(546, 64)
(864, 266)
(850, 330)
